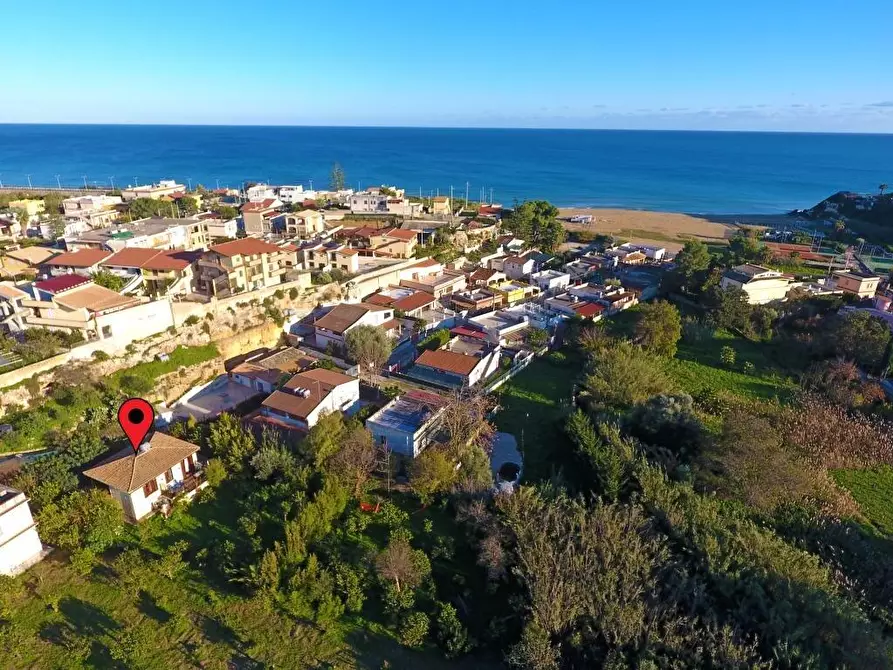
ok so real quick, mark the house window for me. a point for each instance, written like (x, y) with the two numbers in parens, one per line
(185, 465)
(168, 476)
(150, 487)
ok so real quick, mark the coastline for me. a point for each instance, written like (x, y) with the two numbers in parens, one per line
(667, 229)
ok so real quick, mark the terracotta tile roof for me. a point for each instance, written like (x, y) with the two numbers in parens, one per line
(482, 274)
(414, 301)
(95, 299)
(128, 471)
(325, 377)
(61, 283)
(85, 258)
(427, 263)
(391, 324)
(134, 257)
(247, 246)
(588, 309)
(348, 252)
(465, 331)
(405, 235)
(33, 255)
(448, 361)
(260, 206)
(176, 259)
(380, 299)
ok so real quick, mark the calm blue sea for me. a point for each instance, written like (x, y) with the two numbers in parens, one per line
(699, 172)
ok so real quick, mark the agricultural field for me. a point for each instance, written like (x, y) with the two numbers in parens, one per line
(873, 490)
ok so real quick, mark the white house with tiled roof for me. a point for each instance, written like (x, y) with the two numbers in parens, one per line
(20, 546)
(143, 481)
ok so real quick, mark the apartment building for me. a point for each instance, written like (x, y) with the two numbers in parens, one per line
(153, 233)
(98, 211)
(305, 225)
(394, 242)
(324, 256)
(242, 265)
(258, 216)
(154, 191)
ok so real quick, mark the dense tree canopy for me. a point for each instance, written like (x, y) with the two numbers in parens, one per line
(536, 222)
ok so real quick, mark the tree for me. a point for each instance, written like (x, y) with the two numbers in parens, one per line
(231, 442)
(108, 279)
(336, 178)
(451, 634)
(536, 222)
(693, 258)
(82, 520)
(414, 629)
(730, 308)
(143, 208)
(746, 247)
(187, 205)
(401, 564)
(324, 439)
(859, 336)
(226, 212)
(624, 375)
(355, 461)
(432, 472)
(370, 347)
(659, 328)
(537, 337)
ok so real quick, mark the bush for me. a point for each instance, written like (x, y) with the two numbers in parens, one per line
(99, 356)
(435, 340)
(278, 294)
(747, 368)
(414, 629)
(451, 634)
(557, 358)
(727, 356)
(192, 320)
(293, 293)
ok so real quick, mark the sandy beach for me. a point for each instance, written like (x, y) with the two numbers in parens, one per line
(668, 229)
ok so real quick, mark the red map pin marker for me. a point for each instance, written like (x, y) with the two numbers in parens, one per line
(136, 417)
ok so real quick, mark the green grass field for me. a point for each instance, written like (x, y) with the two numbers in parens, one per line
(533, 405)
(873, 490)
(698, 366)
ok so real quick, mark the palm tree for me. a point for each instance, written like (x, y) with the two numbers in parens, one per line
(882, 188)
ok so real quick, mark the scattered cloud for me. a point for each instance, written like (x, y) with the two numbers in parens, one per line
(885, 103)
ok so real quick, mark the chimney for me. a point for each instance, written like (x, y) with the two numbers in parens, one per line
(144, 447)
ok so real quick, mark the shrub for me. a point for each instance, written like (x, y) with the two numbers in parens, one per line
(171, 330)
(451, 634)
(435, 340)
(727, 356)
(191, 320)
(278, 294)
(293, 293)
(99, 355)
(209, 316)
(206, 328)
(747, 368)
(414, 629)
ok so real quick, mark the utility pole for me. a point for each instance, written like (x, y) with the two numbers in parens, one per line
(29, 180)
(58, 183)
(189, 183)
(112, 181)
(466, 195)
(491, 196)
(218, 184)
(135, 182)
(85, 181)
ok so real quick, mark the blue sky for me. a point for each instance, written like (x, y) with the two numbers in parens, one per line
(782, 65)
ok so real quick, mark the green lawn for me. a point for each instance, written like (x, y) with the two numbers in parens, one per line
(698, 367)
(534, 404)
(873, 490)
